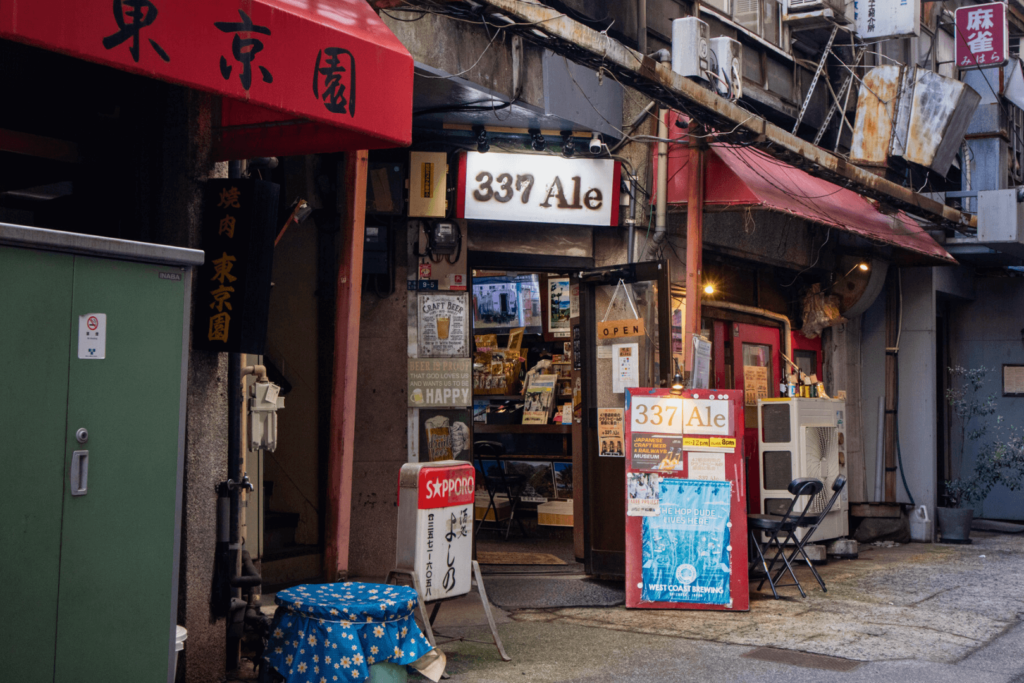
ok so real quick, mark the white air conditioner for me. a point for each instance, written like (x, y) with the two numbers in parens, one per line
(798, 438)
(795, 6)
(690, 38)
(727, 66)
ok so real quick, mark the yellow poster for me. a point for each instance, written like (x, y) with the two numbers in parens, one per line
(755, 384)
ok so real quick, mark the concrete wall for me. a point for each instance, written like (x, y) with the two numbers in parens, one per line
(918, 400)
(987, 332)
(872, 387)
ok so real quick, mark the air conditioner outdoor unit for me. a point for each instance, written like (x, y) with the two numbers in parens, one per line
(795, 6)
(728, 66)
(803, 437)
(690, 38)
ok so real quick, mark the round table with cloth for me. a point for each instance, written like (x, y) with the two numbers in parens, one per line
(335, 631)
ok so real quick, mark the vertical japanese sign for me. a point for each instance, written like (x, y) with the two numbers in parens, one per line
(444, 530)
(686, 546)
(233, 285)
(982, 38)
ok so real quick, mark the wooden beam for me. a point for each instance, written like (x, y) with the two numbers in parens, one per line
(346, 362)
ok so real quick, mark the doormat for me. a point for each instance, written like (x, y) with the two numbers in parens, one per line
(803, 659)
(484, 557)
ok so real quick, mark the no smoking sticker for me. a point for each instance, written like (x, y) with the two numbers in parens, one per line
(92, 336)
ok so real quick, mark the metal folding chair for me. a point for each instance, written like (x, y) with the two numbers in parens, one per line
(811, 524)
(509, 484)
(772, 526)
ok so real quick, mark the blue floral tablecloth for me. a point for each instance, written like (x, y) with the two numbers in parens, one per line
(335, 631)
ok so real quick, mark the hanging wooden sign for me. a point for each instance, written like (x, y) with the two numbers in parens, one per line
(613, 329)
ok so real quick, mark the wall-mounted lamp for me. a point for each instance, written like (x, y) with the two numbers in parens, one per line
(677, 380)
(863, 267)
(709, 289)
(568, 144)
(482, 144)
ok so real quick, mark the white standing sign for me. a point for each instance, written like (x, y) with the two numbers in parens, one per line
(435, 526)
(539, 188)
(878, 19)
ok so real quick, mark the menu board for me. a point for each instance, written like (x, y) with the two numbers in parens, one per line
(443, 328)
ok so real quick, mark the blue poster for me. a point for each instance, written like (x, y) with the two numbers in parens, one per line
(686, 547)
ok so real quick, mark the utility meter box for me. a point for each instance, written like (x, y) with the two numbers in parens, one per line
(264, 401)
(435, 526)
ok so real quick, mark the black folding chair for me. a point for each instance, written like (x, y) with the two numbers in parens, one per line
(773, 525)
(502, 482)
(811, 524)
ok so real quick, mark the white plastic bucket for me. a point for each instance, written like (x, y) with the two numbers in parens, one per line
(180, 635)
(920, 525)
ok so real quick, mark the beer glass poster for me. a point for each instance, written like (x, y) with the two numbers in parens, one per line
(445, 435)
(686, 547)
(443, 332)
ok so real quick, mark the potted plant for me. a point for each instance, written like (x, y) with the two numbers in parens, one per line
(999, 453)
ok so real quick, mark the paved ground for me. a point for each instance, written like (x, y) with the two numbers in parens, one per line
(919, 612)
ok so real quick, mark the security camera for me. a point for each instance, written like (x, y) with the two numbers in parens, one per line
(595, 144)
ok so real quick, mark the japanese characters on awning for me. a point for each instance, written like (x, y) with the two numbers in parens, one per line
(295, 76)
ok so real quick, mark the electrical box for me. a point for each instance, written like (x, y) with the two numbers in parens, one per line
(264, 401)
(727, 65)
(794, 6)
(375, 250)
(428, 184)
(803, 437)
(690, 50)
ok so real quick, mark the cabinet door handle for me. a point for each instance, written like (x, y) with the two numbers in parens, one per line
(79, 473)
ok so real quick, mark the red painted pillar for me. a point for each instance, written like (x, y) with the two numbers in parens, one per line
(346, 360)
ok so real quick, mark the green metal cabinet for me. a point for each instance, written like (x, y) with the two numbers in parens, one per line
(89, 543)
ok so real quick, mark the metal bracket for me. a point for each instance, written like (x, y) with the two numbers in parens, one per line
(843, 94)
(814, 81)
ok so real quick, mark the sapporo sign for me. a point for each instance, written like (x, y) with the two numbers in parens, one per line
(440, 382)
(538, 188)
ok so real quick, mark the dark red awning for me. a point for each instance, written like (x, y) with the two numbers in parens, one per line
(744, 177)
(296, 76)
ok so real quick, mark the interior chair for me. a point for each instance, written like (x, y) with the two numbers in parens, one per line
(773, 525)
(499, 482)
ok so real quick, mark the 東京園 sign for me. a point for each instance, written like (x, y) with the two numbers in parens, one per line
(982, 38)
(538, 188)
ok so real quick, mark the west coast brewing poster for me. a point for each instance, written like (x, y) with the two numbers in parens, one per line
(686, 547)
(443, 329)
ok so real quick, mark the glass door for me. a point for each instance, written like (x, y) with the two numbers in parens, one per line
(624, 340)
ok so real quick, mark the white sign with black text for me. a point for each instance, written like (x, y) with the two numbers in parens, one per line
(539, 188)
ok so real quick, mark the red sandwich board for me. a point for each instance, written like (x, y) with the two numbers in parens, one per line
(686, 507)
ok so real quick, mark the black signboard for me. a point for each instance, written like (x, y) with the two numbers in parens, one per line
(233, 288)
(577, 349)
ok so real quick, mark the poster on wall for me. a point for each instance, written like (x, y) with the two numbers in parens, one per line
(559, 305)
(755, 384)
(443, 327)
(441, 382)
(610, 433)
(445, 435)
(686, 546)
(626, 372)
(642, 494)
(661, 452)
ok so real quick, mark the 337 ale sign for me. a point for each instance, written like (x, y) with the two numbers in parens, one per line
(538, 188)
(233, 284)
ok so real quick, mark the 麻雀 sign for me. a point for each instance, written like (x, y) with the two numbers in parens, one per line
(538, 188)
(982, 38)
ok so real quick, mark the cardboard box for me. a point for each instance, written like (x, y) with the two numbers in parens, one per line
(555, 513)
(502, 508)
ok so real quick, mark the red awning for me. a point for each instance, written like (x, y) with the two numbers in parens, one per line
(745, 177)
(295, 76)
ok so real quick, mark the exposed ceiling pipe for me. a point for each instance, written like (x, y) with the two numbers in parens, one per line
(661, 191)
(787, 328)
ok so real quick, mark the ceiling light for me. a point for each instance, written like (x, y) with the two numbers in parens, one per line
(709, 289)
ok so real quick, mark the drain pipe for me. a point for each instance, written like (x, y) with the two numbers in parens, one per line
(787, 328)
(661, 180)
(631, 221)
